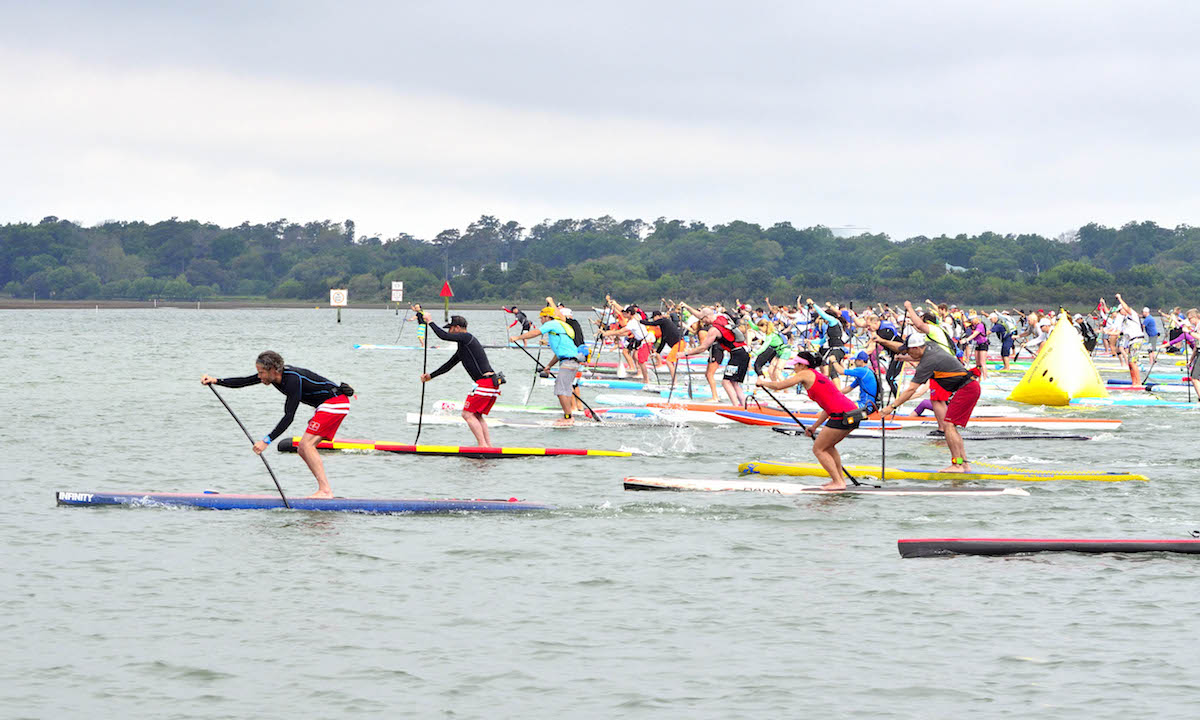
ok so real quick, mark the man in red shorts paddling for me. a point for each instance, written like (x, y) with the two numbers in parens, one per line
(331, 400)
(474, 360)
(953, 391)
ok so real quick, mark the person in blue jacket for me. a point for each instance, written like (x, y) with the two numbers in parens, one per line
(1150, 326)
(861, 376)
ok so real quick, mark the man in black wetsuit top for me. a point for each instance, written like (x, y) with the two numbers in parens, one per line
(671, 337)
(474, 360)
(332, 401)
(519, 318)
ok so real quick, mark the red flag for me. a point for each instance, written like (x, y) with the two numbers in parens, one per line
(446, 291)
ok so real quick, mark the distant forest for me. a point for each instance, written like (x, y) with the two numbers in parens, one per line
(581, 260)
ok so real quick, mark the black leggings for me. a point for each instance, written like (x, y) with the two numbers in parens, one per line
(893, 372)
(764, 358)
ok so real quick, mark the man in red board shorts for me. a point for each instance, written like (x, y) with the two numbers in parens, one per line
(332, 401)
(953, 391)
(474, 360)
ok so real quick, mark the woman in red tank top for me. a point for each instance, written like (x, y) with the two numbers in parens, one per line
(838, 413)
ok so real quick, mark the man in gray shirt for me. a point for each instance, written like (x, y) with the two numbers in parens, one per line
(953, 392)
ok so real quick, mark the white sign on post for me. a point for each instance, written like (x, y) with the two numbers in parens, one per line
(337, 298)
(397, 292)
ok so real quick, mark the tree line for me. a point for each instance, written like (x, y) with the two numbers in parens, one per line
(582, 260)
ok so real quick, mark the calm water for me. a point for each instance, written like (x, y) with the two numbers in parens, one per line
(616, 605)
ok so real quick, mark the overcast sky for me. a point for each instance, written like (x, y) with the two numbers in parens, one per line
(907, 118)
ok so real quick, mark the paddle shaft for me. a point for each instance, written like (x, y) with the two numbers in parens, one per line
(882, 418)
(687, 365)
(594, 355)
(424, 369)
(671, 391)
(538, 367)
(278, 487)
(1188, 369)
(1151, 370)
(804, 427)
(403, 321)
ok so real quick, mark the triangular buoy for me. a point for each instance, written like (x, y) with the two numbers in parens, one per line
(446, 291)
(1062, 370)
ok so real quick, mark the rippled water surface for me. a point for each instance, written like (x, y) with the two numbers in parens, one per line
(614, 605)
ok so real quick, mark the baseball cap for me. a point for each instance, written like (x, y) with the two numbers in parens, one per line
(457, 321)
(1145, 309)
(916, 340)
(862, 356)
(566, 312)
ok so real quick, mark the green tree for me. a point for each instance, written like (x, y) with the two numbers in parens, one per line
(364, 288)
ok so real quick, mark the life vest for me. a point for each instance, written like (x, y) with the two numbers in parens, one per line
(833, 335)
(729, 337)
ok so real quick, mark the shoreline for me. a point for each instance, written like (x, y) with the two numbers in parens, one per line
(24, 304)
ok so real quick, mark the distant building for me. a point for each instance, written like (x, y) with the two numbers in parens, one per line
(954, 268)
(845, 231)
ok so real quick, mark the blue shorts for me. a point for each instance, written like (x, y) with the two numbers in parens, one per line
(1006, 346)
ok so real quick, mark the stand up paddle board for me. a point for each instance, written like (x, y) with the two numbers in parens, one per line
(289, 445)
(222, 501)
(935, 547)
(782, 488)
(897, 473)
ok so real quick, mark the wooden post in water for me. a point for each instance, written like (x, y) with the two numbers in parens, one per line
(337, 298)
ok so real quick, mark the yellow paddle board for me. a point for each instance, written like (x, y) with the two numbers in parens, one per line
(992, 472)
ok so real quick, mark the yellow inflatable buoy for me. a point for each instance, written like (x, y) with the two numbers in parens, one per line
(1061, 371)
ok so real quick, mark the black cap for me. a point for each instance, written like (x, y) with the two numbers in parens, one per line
(458, 321)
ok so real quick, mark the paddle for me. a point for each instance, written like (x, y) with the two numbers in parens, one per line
(1147, 380)
(1188, 368)
(882, 418)
(538, 367)
(594, 355)
(805, 428)
(688, 367)
(674, 369)
(402, 323)
(424, 370)
(286, 504)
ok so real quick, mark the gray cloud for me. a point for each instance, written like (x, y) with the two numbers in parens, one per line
(906, 117)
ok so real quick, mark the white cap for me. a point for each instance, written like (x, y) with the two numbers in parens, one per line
(566, 312)
(1078, 317)
(916, 340)
(1146, 310)
(1045, 321)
